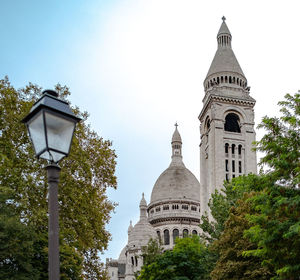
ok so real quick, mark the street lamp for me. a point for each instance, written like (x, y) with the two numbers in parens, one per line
(51, 124)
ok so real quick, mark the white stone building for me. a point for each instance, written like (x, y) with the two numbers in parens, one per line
(226, 136)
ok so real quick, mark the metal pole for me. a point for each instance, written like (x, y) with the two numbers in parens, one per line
(53, 171)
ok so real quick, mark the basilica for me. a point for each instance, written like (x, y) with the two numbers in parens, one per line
(226, 134)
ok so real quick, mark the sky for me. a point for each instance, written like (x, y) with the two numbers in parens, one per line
(138, 67)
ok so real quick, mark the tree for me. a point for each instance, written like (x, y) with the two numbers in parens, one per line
(221, 202)
(275, 225)
(151, 251)
(189, 260)
(232, 264)
(281, 143)
(85, 176)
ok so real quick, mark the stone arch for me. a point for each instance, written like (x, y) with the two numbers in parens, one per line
(232, 123)
(207, 123)
(185, 232)
(175, 234)
(166, 237)
(236, 110)
(226, 148)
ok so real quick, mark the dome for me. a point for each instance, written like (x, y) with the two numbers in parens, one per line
(122, 256)
(140, 234)
(176, 182)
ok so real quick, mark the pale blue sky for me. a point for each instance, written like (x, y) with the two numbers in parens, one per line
(138, 66)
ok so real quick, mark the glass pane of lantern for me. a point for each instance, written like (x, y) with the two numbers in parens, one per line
(37, 132)
(45, 155)
(59, 133)
(52, 156)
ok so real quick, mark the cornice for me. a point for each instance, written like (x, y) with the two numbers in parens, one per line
(226, 100)
(181, 220)
(180, 201)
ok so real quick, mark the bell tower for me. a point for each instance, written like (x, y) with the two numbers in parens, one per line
(226, 121)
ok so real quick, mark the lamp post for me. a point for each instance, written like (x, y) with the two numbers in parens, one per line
(51, 124)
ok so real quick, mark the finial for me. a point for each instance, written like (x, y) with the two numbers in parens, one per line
(176, 125)
(143, 195)
(223, 18)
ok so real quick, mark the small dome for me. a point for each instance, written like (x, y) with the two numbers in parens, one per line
(176, 182)
(141, 233)
(122, 256)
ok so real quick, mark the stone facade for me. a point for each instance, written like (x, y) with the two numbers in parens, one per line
(227, 121)
(177, 199)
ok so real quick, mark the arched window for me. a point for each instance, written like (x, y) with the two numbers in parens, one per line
(233, 149)
(232, 123)
(166, 237)
(175, 234)
(226, 148)
(229, 79)
(207, 123)
(158, 235)
(225, 79)
(185, 233)
(166, 207)
(194, 232)
(240, 150)
(222, 79)
(132, 260)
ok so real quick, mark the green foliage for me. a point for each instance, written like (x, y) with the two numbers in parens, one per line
(232, 264)
(276, 230)
(281, 143)
(151, 251)
(275, 226)
(221, 203)
(189, 260)
(85, 176)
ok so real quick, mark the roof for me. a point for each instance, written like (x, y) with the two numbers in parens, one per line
(224, 59)
(176, 136)
(176, 182)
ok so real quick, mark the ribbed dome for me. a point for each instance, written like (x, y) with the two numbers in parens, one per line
(141, 233)
(122, 256)
(176, 182)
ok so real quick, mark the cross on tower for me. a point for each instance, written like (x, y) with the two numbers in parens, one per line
(223, 18)
(176, 125)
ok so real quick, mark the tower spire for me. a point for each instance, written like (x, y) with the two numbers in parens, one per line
(225, 70)
(143, 208)
(224, 35)
(176, 147)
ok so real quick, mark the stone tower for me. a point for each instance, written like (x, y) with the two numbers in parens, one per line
(227, 121)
